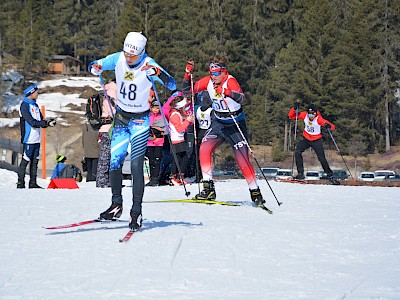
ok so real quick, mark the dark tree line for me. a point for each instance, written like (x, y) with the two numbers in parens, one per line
(342, 55)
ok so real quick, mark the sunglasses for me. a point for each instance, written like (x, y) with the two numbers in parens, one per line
(130, 55)
(310, 115)
(215, 73)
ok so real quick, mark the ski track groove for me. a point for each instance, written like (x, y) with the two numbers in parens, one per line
(171, 267)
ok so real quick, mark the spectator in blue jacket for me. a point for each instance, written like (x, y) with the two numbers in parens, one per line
(59, 166)
(31, 122)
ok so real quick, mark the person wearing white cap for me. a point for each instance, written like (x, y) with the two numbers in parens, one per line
(31, 122)
(135, 74)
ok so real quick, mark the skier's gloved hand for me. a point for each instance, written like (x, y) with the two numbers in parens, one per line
(188, 70)
(189, 67)
(206, 101)
(151, 70)
(96, 69)
(227, 92)
(296, 104)
(51, 122)
(219, 89)
(327, 126)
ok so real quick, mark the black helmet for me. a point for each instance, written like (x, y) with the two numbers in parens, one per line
(312, 108)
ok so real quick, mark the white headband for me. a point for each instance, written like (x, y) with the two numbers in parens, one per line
(180, 104)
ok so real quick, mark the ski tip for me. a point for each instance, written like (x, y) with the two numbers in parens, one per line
(127, 236)
(266, 209)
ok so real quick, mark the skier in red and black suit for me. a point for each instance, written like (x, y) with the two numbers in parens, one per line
(222, 89)
(312, 137)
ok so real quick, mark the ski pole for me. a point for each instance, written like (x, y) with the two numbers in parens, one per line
(251, 151)
(295, 136)
(330, 133)
(187, 193)
(196, 150)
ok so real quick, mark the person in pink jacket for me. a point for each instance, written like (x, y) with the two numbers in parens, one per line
(108, 111)
(155, 143)
(179, 119)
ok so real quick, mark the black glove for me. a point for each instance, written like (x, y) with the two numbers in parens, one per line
(296, 105)
(327, 126)
(51, 122)
(206, 101)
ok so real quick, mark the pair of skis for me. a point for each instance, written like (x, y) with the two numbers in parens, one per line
(210, 202)
(129, 234)
(126, 238)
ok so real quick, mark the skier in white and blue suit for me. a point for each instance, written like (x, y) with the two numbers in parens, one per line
(134, 72)
(31, 122)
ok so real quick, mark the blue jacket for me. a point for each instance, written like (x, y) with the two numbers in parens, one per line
(31, 120)
(57, 170)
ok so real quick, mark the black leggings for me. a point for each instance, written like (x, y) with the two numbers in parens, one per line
(182, 158)
(302, 146)
(154, 154)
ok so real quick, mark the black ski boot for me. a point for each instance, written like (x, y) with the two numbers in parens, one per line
(152, 182)
(20, 185)
(34, 185)
(333, 180)
(256, 197)
(300, 176)
(21, 173)
(136, 221)
(208, 192)
(113, 212)
(33, 167)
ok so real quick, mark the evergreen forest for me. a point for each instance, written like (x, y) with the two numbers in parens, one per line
(342, 55)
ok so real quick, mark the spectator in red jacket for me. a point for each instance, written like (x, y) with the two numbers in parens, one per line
(312, 137)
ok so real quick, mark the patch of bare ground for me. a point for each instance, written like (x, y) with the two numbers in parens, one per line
(371, 162)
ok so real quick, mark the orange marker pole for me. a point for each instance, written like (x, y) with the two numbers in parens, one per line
(43, 145)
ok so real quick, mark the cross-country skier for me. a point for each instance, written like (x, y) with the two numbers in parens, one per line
(134, 72)
(222, 90)
(312, 137)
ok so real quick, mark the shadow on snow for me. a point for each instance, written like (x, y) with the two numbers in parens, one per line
(146, 226)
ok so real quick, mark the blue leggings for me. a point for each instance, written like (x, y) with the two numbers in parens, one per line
(133, 131)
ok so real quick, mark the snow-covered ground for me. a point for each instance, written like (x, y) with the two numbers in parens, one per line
(324, 242)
